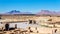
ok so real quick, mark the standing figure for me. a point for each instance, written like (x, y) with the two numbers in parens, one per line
(6, 26)
(16, 26)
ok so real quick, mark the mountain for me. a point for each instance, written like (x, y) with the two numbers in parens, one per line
(17, 12)
(47, 12)
(13, 12)
(42, 12)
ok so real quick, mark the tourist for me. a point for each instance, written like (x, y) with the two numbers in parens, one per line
(15, 26)
(6, 26)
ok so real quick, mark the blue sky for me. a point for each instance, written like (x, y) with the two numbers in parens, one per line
(33, 6)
